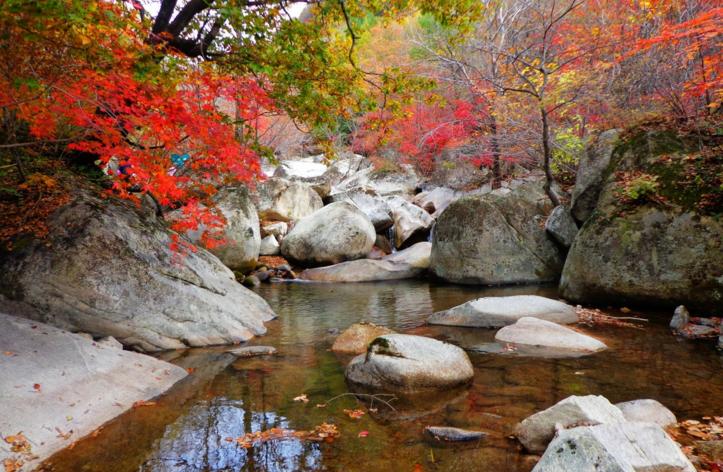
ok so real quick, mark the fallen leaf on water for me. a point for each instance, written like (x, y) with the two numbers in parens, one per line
(354, 414)
(417, 468)
(143, 403)
(301, 398)
(362, 434)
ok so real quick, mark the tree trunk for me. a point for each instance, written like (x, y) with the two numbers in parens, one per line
(496, 170)
(547, 152)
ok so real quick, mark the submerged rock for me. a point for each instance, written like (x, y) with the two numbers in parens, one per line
(405, 264)
(447, 433)
(620, 447)
(335, 233)
(647, 411)
(495, 312)
(253, 351)
(496, 238)
(536, 431)
(537, 333)
(561, 226)
(108, 269)
(681, 318)
(69, 386)
(402, 362)
(356, 338)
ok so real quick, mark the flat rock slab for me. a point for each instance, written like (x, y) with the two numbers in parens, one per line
(356, 338)
(496, 312)
(620, 447)
(647, 411)
(56, 384)
(450, 434)
(407, 363)
(536, 431)
(253, 351)
(533, 332)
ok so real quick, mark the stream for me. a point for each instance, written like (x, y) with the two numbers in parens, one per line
(188, 429)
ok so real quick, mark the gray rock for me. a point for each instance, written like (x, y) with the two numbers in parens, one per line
(436, 200)
(548, 337)
(378, 210)
(110, 342)
(277, 229)
(80, 385)
(561, 226)
(109, 270)
(496, 239)
(269, 246)
(251, 281)
(449, 434)
(622, 447)
(281, 199)
(337, 232)
(495, 312)
(681, 318)
(405, 264)
(382, 183)
(647, 411)
(536, 431)
(356, 338)
(406, 363)
(242, 236)
(409, 220)
(303, 169)
(591, 174)
(253, 351)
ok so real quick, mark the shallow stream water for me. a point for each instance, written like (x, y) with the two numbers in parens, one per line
(188, 429)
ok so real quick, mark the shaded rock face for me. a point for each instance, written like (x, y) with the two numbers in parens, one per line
(406, 363)
(356, 338)
(409, 221)
(108, 270)
(336, 232)
(405, 264)
(285, 200)
(496, 238)
(536, 431)
(436, 200)
(82, 384)
(647, 411)
(241, 234)
(495, 312)
(546, 335)
(591, 172)
(269, 246)
(622, 447)
(647, 253)
(561, 226)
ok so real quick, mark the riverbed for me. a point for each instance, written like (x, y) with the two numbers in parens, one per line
(194, 426)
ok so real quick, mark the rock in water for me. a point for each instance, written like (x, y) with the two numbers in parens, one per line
(495, 312)
(446, 433)
(642, 252)
(356, 338)
(680, 319)
(496, 238)
(405, 264)
(69, 385)
(647, 411)
(337, 232)
(536, 333)
(253, 351)
(107, 269)
(406, 363)
(536, 431)
(281, 199)
(590, 176)
(561, 226)
(621, 447)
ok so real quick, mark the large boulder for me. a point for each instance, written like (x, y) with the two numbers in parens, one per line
(561, 226)
(654, 238)
(356, 338)
(647, 410)
(435, 201)
(496, 238)
(405, 264)
(303, 169)
(286, 200)
(546, 336)
(591, 172)
(269, 246)
(536, 431)
(375, 207)
(495, 312)
(621, 447)
(335, 233)
(410, 221)
(406, 363)
(108, 269)
(58, 387)
(241, 235)
(401, 181)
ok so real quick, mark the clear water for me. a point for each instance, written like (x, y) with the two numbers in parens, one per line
(187, 429)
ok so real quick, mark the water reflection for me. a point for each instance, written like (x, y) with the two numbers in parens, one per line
(203, 440)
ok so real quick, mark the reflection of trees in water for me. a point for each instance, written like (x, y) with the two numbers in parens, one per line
(197, 442)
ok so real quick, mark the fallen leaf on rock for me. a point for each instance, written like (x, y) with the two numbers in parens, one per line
(8, 353)
(143, 403)
(12, 465)
(63, 435)
(321, 405)
(362, 434)
(190, 370)
(36, 387)
(301, 398)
